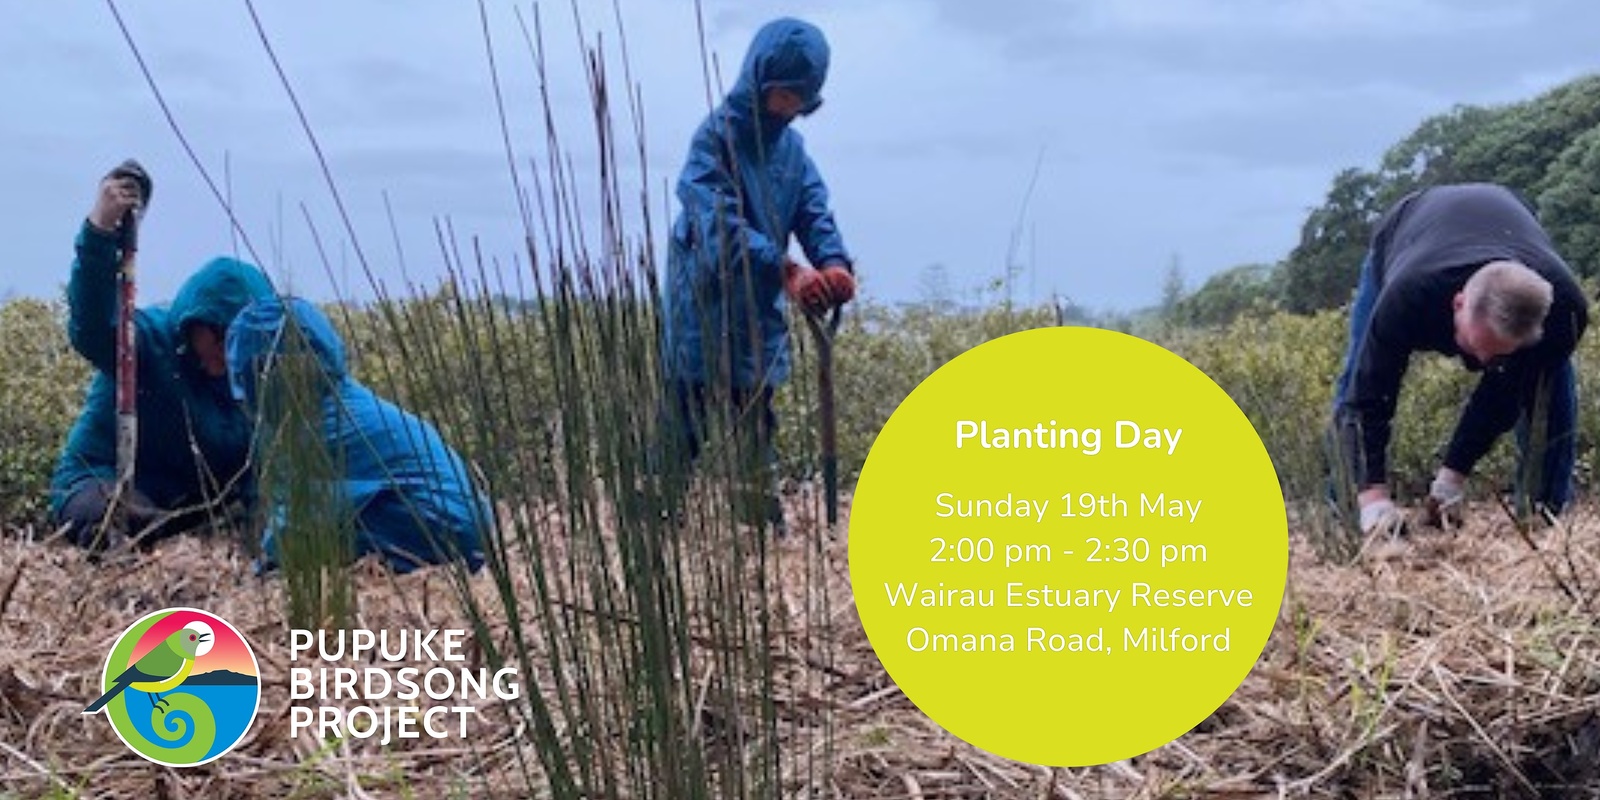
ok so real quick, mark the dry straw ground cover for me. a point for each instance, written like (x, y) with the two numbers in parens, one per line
(1460, 664)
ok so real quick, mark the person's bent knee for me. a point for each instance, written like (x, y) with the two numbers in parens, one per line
(90, 518)
(83, 518)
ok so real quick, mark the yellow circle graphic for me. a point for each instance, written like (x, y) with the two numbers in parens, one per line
(1068, 546)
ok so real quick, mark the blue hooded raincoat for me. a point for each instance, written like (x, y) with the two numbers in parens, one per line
(411, 495)
(194, 441)
(746, 187)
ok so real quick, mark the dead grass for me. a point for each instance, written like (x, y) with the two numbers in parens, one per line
(1463, 664)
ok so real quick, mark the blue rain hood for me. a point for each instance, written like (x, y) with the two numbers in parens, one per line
(193, 438)
(411, 496)
(272, 327)
(786, 53)
(216, 294)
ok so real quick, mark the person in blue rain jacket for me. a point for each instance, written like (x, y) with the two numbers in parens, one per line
(410, 497)
(746, 189)
(193, 441)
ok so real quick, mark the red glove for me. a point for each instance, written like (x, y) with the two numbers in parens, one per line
(805, 286)
(840, 281)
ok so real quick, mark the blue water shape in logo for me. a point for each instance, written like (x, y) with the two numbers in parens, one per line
(232, 707)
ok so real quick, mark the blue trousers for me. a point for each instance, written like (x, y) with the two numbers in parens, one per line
(691, 413)
(1560, 447)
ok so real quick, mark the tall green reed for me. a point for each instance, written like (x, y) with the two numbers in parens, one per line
(299, 477)
(666, 650)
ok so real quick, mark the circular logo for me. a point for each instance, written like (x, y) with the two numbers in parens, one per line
(1068, 546)
(180, 687)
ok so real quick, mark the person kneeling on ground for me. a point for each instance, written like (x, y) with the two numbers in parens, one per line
(193, 445)
(407, 496)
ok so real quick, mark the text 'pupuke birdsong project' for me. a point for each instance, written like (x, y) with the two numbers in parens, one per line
(454, 690)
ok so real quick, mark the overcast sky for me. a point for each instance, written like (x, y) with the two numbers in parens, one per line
(1195, 129)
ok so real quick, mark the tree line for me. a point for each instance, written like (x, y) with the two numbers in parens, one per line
(1546, 147)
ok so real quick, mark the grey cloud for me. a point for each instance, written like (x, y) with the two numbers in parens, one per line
(747, 15)
(1205, 127)
(1325, 129)
(1468, 47)
(379, 163)
(965, 145)
(378, 87)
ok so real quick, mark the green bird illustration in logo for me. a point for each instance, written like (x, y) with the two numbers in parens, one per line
(163, 668)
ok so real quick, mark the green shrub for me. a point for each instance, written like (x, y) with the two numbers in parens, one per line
(1280, 369)
(42, 384)
(881, 353)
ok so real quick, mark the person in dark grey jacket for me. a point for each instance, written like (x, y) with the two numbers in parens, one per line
(1465, 270)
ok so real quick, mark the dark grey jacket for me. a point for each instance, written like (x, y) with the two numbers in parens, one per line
(1424, 249)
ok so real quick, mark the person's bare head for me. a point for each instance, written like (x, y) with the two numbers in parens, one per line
(1501, 309)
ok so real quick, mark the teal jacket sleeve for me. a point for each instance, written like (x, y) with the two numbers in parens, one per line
(92, 301)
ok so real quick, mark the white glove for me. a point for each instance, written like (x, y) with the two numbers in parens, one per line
(1382, 516)
(1446, 497)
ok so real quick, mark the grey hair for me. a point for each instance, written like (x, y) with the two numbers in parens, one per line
(1511, 299)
